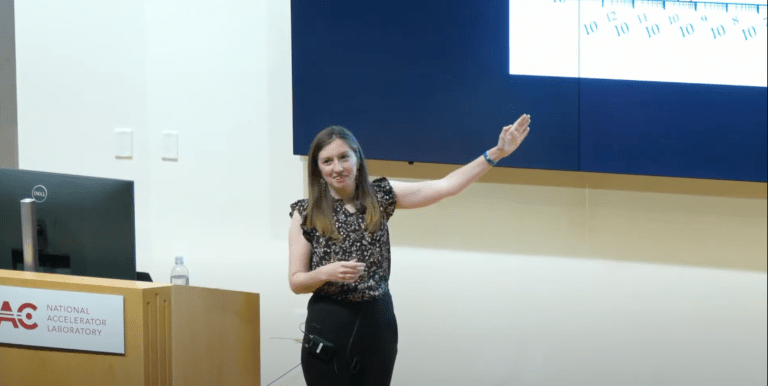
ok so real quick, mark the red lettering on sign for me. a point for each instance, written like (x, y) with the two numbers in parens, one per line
(28, 316)
(7, 315)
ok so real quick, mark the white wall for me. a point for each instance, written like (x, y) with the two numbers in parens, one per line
(517, 281)
(9, 144)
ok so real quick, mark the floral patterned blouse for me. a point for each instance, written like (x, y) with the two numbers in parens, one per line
(355, 243)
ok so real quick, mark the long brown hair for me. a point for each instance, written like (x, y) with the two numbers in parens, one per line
(320, 210)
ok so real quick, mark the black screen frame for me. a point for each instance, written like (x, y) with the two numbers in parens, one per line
(89, 220)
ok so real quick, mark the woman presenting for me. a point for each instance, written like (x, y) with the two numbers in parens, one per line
(339, 251)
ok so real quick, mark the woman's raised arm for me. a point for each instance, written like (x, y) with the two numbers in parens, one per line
(420, 194)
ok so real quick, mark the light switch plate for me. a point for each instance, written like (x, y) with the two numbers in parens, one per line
(123, 143)
(170, 145)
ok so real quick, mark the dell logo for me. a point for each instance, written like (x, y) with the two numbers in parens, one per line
(39, 193)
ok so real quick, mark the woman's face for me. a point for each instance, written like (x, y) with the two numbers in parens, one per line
(338, 165)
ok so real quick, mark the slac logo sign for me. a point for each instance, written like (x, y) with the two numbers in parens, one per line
(20, 317)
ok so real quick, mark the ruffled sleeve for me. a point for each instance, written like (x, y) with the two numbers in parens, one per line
(385, 195)
(301, 206)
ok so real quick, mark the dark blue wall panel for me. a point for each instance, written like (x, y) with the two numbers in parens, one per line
(428, 81)
(673, 129)
(423, 81)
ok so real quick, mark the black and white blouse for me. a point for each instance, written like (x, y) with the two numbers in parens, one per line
(355, 243)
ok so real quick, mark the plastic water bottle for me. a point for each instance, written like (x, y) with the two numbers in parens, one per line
(179, 273)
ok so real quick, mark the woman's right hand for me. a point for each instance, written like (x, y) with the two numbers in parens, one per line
(343, 271)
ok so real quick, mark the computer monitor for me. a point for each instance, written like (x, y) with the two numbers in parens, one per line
(85, 225)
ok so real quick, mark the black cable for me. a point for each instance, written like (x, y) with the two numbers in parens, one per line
(294, 367)
(355, 365)
(305, 333)
(286, 373)
(352, 368)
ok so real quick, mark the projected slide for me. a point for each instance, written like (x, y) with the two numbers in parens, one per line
(665, 41)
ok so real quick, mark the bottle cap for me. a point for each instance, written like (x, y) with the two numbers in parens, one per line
(179, 260)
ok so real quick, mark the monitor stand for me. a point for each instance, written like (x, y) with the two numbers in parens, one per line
(47, 263)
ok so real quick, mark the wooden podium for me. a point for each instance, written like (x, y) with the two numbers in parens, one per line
(174, 335)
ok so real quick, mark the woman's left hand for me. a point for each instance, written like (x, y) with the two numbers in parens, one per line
(513, 135)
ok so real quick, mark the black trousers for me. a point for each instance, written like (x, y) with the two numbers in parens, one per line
(364, 336)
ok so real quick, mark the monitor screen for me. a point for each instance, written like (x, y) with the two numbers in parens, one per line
(85, 225)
